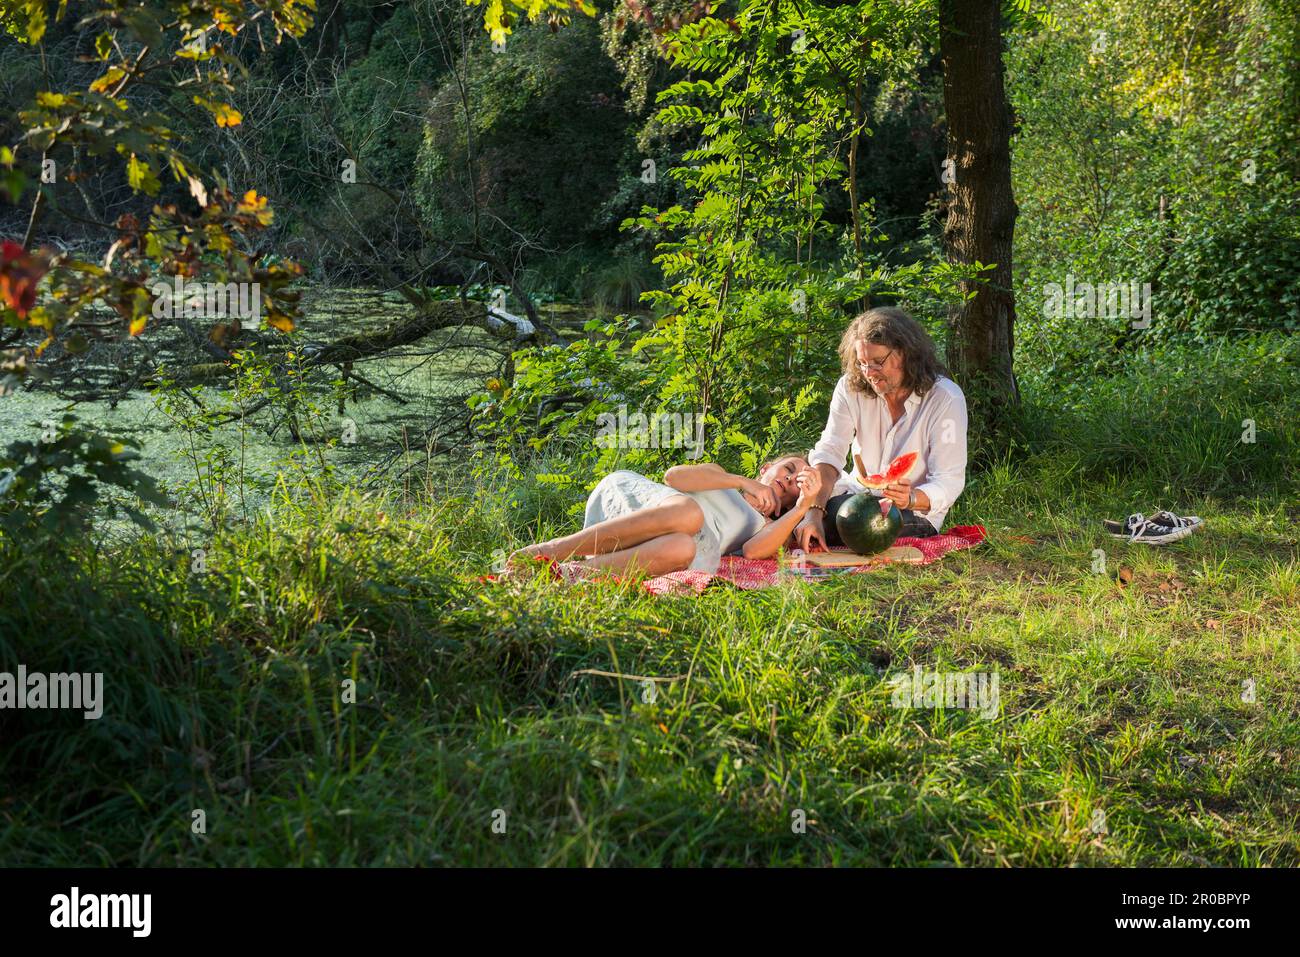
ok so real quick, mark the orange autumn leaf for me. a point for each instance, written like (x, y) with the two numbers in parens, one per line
(112, 76)
(20, 272)
(227, 115)
(254, 205)
(280, 321)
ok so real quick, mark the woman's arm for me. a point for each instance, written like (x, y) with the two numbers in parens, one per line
(701, 478)
(707, 477)
(770, 539)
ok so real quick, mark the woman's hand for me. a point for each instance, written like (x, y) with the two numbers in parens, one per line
(810, 486)
(762, 497)
(778, 533)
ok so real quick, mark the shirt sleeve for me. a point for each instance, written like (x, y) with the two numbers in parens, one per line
(841, 426)
(846, 483)
(945, 475)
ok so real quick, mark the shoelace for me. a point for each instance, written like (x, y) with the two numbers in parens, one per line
(1174, 521)
(1140, 523)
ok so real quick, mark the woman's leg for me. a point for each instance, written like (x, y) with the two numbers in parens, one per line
(677, 513)
(658, 556)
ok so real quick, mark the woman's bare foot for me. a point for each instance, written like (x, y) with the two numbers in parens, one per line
(525, 560)
(530, 553)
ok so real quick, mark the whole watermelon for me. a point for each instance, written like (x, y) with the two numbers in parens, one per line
(864, 528)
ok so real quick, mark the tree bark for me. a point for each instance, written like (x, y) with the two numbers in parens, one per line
(981, 207)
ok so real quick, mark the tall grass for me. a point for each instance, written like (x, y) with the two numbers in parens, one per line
(1122, 735)
(1188, 421)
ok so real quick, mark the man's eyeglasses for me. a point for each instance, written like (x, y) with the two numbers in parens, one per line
(873, 364)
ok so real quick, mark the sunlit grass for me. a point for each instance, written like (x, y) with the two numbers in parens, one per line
(1148, 709)
(225, 694)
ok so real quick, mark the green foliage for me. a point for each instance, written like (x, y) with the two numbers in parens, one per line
(758, 282)
(1178, 419)
(26, 20)
(50, 487)
(555, 403)
(260, 393)
(383, 94)
(498, 21)
(112, 116)
(1236, 275)
(226, 690)
(618, 287)
(761, 284)
(1151, 148)
(542, 150)
(783, 434)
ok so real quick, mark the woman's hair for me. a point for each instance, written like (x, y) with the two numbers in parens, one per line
(888, 326)
(776, 458)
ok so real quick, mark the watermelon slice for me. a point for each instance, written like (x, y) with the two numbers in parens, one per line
(907, 466)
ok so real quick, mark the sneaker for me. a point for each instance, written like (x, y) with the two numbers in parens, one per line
(1177, 521)
(1139, 528)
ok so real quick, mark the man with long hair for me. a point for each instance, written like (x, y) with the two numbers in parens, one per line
(894, 397)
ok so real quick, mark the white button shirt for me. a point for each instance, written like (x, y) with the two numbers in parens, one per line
(933, 425)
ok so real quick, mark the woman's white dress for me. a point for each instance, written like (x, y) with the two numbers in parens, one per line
(729, 521)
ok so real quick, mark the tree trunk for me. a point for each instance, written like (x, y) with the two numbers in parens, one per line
(981, 208)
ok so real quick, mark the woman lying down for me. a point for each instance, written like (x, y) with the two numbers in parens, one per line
(698, 514)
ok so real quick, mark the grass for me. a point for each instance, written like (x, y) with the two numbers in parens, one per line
(480, 704)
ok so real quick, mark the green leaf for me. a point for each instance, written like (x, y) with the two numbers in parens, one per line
(143, 25)
(12, 183)
(141, 176)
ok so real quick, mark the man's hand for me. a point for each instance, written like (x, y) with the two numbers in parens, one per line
(897, 492)
(810, 534)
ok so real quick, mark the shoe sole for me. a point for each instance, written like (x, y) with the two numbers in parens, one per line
(1173, 535)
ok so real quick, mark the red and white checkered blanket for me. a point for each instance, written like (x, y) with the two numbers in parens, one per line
(750, 573)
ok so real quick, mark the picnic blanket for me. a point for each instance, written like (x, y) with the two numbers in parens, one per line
(751, 573)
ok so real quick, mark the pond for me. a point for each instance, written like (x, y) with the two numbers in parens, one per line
(417, 404)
